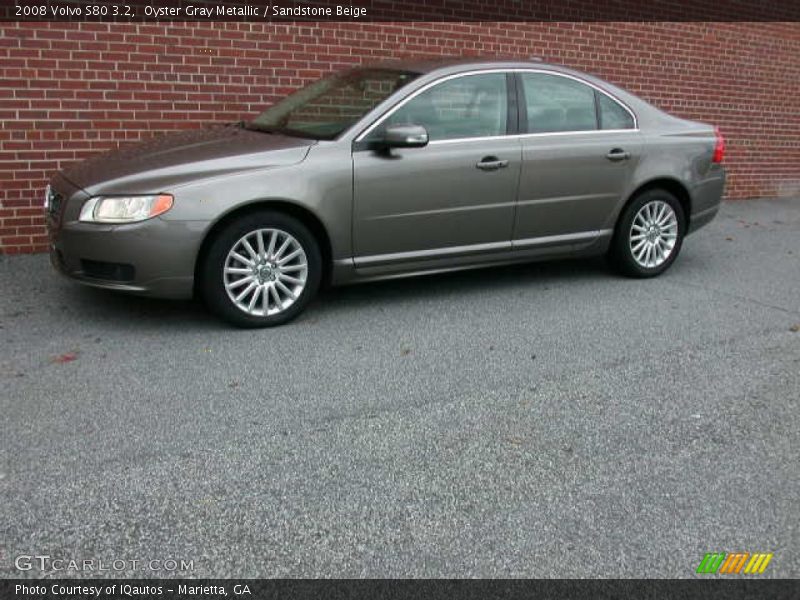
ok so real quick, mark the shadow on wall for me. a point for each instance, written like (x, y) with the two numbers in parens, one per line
(787, 188)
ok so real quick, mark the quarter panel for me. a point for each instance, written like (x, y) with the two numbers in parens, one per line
(682, 154)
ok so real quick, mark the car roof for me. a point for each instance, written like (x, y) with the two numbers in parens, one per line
(442, 67)
(458, 63)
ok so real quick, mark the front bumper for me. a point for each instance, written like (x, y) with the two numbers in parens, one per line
(153, 258)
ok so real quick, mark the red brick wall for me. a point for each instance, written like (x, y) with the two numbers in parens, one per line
(68, 90)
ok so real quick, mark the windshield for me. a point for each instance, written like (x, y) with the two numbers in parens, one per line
(328, 107)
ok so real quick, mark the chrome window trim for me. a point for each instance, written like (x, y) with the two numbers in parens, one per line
(360, 137)
(530, 135)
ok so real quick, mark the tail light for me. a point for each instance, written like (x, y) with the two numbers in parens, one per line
(719, 146)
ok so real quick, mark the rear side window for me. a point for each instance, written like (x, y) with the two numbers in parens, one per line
(558, 103)
(612, 114)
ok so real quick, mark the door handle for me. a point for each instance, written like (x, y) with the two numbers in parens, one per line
(618, 154)
(491, 163)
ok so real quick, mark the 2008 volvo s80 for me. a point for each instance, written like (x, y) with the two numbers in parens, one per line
(398, 169)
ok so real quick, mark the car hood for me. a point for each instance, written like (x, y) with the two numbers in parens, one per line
(168, 161)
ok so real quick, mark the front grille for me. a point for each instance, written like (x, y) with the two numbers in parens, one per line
(107, 271)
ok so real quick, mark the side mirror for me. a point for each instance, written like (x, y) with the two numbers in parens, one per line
(405, 136)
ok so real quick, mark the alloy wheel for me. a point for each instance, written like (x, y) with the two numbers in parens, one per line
(265, 272)
(653, 234)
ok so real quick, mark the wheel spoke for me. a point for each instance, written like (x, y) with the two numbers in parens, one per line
(253, 254)
(290, 279)
(260, 240)
(290, 256)
(661, 213)
(254, 299)
(242, 259)
(291, 268)
(279, 284)
(239, 282)
(272, 239)
(246, 291)
(282, 249)
(265, 302)
(237, 271)
(274, 293)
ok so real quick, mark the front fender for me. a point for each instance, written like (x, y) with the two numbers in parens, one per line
(321, 184)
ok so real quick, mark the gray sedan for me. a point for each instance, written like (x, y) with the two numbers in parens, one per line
(398, 169)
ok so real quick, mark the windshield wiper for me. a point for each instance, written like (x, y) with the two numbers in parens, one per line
(252, 126)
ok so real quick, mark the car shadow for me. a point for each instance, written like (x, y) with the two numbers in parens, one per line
(505, 279)
(137, 311)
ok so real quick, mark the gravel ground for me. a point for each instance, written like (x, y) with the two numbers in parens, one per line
(547, 420)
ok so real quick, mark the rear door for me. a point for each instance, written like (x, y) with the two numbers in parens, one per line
(578, 156)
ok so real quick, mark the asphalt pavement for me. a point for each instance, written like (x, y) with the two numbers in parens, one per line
(544, 420)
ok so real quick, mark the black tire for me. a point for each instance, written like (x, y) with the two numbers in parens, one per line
(621, 253)
(212, 286)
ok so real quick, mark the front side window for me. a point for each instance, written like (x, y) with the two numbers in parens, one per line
(558, 103)
(463, 107)
(330, 106)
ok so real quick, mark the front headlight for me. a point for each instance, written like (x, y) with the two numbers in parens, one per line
(124, 209)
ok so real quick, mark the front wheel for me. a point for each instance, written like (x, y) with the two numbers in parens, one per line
(649, 234)
(261, 270)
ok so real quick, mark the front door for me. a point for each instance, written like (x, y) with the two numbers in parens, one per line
(454, 196)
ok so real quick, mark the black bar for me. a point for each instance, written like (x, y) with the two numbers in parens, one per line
(282, 589)
(400, 10)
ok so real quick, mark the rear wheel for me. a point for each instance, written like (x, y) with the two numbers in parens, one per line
(649, 234)
(261, 270)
